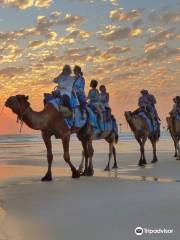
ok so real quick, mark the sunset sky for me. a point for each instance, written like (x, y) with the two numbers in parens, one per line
(126, 45)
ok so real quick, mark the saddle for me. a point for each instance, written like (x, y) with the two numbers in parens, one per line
(62, 108)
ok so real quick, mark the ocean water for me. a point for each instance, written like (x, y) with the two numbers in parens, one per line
(25, 138)
(30, 150)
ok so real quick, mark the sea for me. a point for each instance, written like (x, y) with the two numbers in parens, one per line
(26, 149)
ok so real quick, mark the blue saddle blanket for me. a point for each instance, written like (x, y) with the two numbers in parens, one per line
(153, 126)
(78, 121)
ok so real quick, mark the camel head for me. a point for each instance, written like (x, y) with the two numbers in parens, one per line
(18, 104)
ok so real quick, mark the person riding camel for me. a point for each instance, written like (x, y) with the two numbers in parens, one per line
(93, 97)
(176, 107)
(104, 99)
(65, 85)
(78, 88)
(147, 102)
(104, 96)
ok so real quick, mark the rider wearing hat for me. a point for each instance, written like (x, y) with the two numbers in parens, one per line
(147, 102)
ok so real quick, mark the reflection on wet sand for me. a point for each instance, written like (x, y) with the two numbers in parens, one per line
(120, 175)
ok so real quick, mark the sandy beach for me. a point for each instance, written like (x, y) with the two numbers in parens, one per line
(109, 205)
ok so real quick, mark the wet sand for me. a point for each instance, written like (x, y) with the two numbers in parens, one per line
(109, 205)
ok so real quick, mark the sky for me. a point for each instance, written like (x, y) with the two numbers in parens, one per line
(126, 45)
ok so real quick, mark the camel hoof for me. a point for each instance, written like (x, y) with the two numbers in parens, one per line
(178, 158)
(115, 166)
(107, 169)
(80, 169)
(90, 172)
(46, 178)
(141, 164)
(76, 174)
(85, 173)
(154, 161)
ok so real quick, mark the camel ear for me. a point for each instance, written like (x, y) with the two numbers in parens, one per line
(27, 97)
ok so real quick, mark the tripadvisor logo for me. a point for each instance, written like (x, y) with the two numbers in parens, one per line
(140, 231)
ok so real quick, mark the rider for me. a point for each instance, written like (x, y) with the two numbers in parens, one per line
(93, 97)
(65, 85)
(176, 107)
(104, 99)
(104, 96)
(78, 87)
(147, 101)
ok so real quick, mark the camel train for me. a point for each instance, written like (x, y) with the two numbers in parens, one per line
(93, 121)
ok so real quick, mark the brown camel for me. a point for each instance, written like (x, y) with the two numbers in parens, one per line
(141, 132)
(51, 122)
(174, 129)
(112, 139)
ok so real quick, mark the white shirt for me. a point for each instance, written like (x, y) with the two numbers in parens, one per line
(65, 84)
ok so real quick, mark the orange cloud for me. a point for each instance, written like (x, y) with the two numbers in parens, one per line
(26, 3)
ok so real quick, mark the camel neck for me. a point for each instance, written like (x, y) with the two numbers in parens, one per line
(34, 120)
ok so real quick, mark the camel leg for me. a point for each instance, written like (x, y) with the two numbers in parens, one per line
(175, 153)
(178, 149)
(107, 168)
(47, 141)
(143, 151)
(90, 156)
(81, 165)
(115, 166)
(85, 156)
(142, 157)
(65, 143)
(153, 142)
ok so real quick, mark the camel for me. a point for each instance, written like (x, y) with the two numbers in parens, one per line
(51, 122)
(111, 138)
(141, 132)
(174, 129)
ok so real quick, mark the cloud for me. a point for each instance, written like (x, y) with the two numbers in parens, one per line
(155, 51)
(10, 72)
(44, 25)
(36, 44)
(10, 52)
(120, 15)
(24, 4)
(42, 3)
(167, 17)
(117, 50)
(120, 33)
(163, 35)
(137, 23)
(70, 19)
